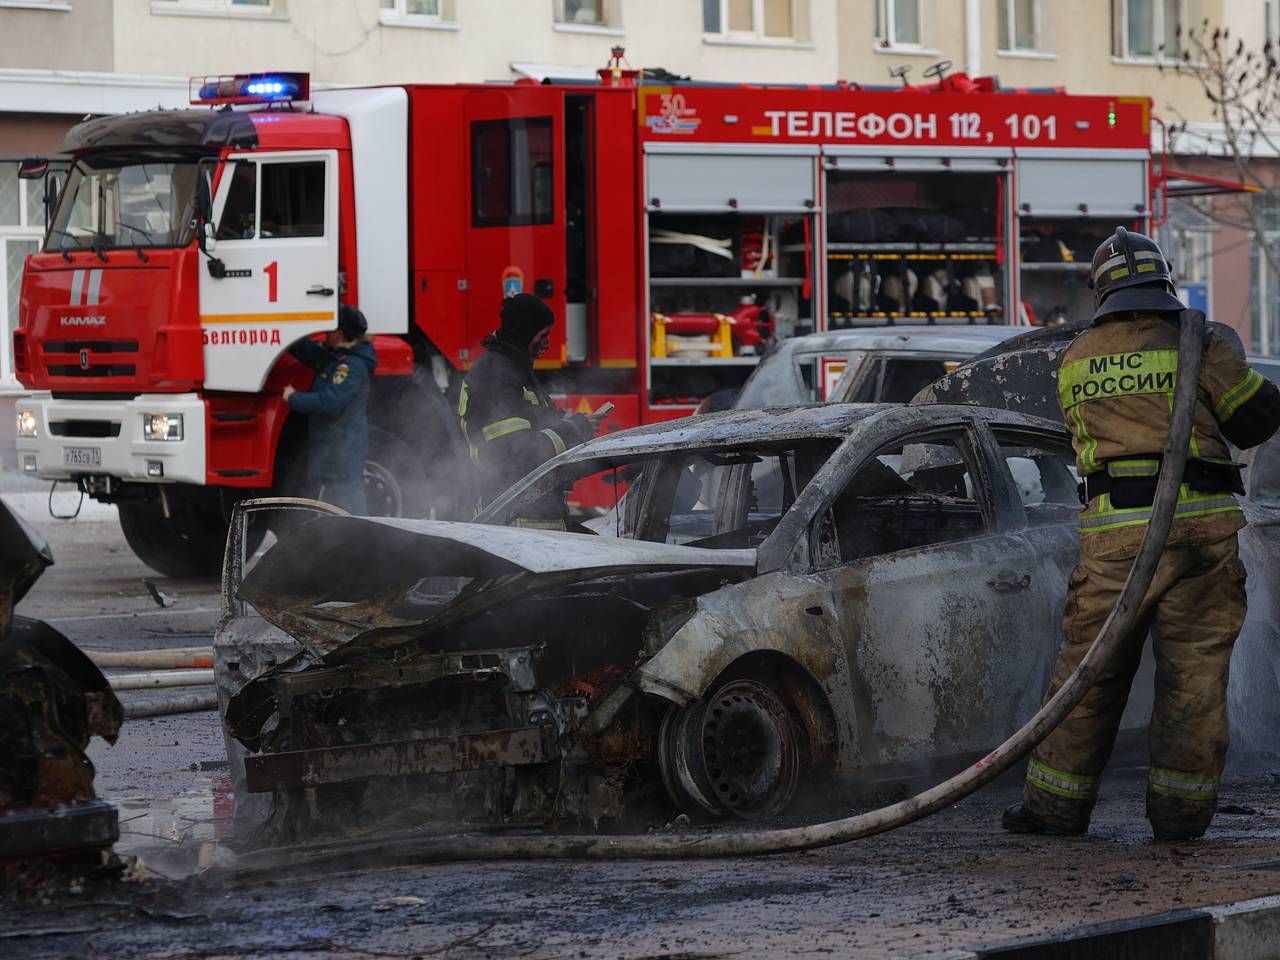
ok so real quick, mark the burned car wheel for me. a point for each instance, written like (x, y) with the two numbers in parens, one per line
(734, 753)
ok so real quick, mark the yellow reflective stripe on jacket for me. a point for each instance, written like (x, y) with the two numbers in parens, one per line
(1107, 517)
(556, 440)
(540, 524)
(1133, 468)
(1185, 786)
(1089, 453)
(462, 400)
(1073, 786)
(500, 428)
(530, 396)
(1238, 395)
(1117, 375)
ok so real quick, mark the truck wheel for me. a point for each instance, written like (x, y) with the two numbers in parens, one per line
(187, 544)
(396, 482)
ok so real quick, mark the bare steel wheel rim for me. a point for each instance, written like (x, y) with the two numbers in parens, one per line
(382, 491)
(750, 751)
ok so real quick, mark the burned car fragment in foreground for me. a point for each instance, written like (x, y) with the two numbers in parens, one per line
(52, 701)
(780, 598)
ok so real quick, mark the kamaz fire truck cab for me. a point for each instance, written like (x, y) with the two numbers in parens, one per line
(676, 227)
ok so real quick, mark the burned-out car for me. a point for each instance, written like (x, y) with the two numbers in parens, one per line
(780, 598)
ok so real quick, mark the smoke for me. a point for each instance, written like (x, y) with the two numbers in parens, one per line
(1253, 694)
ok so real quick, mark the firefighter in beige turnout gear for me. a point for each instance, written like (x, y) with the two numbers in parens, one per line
(1115, 387)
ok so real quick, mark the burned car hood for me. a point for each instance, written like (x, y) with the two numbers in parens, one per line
(404, 579)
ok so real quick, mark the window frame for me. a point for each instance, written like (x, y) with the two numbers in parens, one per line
(1121, 51)
(756, 34)
(531, 219)
(1008, 43)
(257, 200)
(237, 8)
(971, 439)
(886, 27)
(1002, 434)
(562, 17)
(30, 229)
(259, 163)
(323, 163)
(398, 16)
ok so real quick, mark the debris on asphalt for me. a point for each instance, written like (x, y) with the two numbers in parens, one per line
(161, 599)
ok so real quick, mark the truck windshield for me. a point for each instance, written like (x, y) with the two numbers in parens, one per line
(125, 202)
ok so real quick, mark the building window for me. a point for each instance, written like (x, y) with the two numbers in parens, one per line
(750, 19)
(1022, 26)
(21, 230)
(1147, 29)
(512, 173)
(898, 23)
(586, 12)
(429, 9)
(215, 6)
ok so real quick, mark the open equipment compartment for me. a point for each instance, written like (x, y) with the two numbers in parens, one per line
(1057, 236)
(731, 241)
(916, 238)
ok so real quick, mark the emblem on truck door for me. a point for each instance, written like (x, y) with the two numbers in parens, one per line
(84, 359)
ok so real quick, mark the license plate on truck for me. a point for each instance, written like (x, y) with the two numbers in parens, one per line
(82, 456)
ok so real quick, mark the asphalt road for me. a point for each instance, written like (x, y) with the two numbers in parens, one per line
(953, 881)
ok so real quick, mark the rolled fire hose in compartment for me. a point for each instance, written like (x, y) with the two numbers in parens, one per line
(1122, 619)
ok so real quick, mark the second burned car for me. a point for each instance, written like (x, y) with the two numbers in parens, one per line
(781, 599)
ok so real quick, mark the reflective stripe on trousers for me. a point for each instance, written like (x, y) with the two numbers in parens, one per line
(1184, 786)
(533, 524)
(1070, 785)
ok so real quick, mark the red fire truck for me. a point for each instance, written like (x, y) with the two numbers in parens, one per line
(675, 225)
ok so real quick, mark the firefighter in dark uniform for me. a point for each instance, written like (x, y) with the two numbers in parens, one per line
(1115, 387)
(509, 420)
(336, 408)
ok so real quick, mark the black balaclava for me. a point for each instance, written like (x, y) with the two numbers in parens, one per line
(523, 316)
(352, 322)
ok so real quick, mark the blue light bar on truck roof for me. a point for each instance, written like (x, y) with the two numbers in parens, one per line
(251, 88)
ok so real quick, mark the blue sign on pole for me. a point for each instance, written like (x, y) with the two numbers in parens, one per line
(1195, 296)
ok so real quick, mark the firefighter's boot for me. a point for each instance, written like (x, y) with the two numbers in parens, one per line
(1018, 819)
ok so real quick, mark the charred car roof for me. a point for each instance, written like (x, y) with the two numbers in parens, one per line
(729, 428)
(208, 129)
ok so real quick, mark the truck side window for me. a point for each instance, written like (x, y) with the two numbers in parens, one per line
(293, 199)
(240, 213)
(512, 172)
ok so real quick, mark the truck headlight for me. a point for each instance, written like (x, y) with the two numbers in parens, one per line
(26, 423)
(162, 426)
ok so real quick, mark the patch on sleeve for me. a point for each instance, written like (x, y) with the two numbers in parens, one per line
(340, 373)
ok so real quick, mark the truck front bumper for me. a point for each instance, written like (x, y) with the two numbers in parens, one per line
(79, 437)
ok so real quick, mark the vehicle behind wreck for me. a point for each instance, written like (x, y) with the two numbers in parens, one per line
(780, 600)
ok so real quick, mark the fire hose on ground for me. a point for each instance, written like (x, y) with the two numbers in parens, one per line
(734, 843)
(185, 667)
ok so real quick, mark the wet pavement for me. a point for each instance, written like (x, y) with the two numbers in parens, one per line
(950, 882)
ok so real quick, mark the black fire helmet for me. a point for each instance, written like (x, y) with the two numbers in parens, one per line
(1130, 272)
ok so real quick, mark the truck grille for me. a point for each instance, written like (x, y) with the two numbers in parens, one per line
(84, 428)
(93, 346)
(93, 358)
(93, 370)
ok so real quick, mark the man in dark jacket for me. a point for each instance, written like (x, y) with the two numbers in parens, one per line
(336, 406)
(509, 420)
